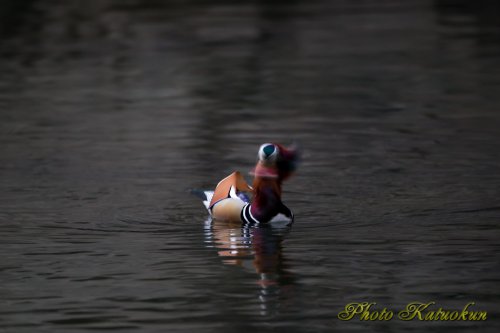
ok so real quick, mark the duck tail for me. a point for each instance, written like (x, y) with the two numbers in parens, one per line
(206, 196)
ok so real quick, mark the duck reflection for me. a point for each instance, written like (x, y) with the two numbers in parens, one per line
(258, 248)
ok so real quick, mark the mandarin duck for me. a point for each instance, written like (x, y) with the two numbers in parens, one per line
(230, 202)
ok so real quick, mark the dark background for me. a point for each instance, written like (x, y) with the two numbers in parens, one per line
(110, 111)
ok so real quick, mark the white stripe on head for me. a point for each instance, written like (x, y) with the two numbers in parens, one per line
(268, 153)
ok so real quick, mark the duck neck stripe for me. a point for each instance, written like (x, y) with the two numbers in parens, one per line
(247, 216)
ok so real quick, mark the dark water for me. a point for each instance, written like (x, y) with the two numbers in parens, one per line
(111, 110)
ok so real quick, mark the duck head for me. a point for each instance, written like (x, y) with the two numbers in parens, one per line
(276, 161)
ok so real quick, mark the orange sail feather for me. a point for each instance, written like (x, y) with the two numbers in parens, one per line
(223, 189)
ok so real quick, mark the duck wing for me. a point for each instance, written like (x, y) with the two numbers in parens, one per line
(228, 187)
